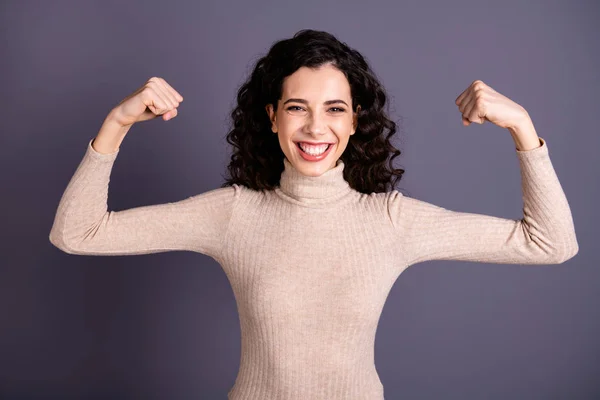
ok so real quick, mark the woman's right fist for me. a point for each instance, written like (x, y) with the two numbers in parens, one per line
(156, 97)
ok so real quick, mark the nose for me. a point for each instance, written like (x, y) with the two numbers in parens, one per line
(315, 124)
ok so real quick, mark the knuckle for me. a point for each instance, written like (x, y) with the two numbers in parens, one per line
(149, 90)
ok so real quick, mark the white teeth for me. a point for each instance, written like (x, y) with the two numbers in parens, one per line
(313, 150)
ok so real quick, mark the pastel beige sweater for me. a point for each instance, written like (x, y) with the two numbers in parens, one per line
(312, 262)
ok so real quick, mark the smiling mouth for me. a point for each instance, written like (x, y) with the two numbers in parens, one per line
(324, 151)
(315, 157)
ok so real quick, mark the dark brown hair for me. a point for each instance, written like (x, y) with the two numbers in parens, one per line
(257, 158)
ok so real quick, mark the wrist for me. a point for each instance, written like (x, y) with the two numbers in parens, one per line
(524, 134)
(111, 135)
(113, 118)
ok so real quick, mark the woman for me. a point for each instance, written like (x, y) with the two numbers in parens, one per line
(308, 227)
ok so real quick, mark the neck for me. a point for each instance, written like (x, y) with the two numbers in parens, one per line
(313, 190)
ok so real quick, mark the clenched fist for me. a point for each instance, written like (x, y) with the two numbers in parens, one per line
(479, 103)
(156, 97)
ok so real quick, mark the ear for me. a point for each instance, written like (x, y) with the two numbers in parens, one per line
(272, 117)
(355, 120)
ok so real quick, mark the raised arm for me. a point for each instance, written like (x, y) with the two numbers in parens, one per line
(545, 234)
(83, 224)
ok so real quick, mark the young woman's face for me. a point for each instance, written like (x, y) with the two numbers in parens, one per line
(315, 107)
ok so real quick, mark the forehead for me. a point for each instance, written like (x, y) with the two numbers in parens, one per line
(323, 82)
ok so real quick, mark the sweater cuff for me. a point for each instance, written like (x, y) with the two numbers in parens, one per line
(103, 157)
(540, 151)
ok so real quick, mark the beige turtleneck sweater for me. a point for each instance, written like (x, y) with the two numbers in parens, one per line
(312, 262)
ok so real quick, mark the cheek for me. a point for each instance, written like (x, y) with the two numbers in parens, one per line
(343, 129)
(285, 121)
(345, 126)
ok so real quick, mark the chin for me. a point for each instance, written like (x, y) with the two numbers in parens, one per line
(314, 168)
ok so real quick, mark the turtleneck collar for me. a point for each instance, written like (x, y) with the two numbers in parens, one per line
(313, 190)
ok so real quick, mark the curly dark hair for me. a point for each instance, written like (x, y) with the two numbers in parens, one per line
(257, 159)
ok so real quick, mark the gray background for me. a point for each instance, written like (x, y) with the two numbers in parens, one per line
(165, 326)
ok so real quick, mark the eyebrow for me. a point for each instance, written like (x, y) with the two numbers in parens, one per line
(328, 102)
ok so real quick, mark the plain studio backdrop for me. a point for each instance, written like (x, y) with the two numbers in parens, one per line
(165, 326)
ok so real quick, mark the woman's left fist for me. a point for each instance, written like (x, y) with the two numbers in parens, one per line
(479, 102)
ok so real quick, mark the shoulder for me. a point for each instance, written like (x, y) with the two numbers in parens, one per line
(382, 198)
(383, 203)
(246, 195)
(401, 207)
(221, 198)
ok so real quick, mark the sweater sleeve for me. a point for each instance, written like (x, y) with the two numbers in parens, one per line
(83, 225)
(545, 234)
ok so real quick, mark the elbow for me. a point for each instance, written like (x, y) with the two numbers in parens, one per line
(565, 252)
(56, 238)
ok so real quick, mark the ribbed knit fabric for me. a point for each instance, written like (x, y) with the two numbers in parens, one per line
(311, 263)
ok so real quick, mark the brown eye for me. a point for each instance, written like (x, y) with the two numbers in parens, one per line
(290, 108)
(337, 108)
